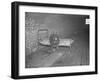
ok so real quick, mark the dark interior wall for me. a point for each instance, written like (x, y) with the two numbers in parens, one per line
(64, 25)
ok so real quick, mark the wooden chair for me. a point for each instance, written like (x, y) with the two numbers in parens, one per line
(42, 34)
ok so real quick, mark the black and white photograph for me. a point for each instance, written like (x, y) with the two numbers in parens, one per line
(50, 40)
(53, 40)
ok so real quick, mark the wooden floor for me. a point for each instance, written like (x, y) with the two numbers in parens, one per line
(77, 55)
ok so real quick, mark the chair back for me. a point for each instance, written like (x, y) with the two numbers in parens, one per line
(42, 34)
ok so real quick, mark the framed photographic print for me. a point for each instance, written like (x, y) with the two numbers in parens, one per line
(50, 40)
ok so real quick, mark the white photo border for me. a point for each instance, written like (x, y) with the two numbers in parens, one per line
(54, 70)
